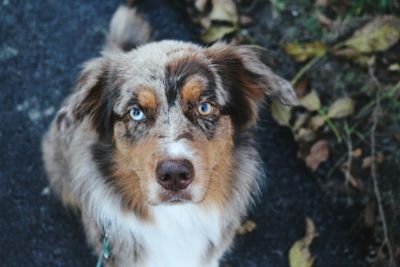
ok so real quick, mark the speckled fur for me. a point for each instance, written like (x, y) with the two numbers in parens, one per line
(102, 164)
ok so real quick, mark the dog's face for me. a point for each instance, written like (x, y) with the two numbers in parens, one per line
(168, 115)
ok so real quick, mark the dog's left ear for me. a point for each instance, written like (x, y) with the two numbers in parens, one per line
(93, 98)
(247, 79)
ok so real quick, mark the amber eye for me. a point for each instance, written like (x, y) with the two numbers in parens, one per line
(205, 109)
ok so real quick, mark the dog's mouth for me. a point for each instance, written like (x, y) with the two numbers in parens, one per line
(179, 197)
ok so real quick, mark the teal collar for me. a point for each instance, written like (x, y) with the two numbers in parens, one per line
(105, 253)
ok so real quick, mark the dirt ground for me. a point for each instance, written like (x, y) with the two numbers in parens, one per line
(43, 44)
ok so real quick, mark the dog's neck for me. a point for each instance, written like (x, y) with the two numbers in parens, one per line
(176, 235)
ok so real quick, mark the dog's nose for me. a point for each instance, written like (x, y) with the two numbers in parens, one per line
(174, 175)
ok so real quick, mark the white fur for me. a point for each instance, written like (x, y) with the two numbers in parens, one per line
(179, 149)
(178, 236)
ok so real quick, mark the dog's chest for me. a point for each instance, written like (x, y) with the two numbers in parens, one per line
(179, 236)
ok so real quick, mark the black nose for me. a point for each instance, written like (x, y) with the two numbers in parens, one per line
(174, 175)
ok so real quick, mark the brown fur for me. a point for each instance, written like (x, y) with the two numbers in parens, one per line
(192, 90)
(147, 99)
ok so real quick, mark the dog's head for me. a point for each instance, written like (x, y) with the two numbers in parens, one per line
(168, 116)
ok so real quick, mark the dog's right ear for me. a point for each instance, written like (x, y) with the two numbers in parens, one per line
(92, 97)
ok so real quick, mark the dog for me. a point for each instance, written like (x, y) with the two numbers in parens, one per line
(155, 149)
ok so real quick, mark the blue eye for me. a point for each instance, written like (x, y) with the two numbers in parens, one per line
(136, 114)
(205, 109)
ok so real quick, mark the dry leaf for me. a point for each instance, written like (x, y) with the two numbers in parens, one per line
(311, 101)
(302, 52)
(200, 5)
(377, 35)
(357, 153)
(215, 33)
(301, 87)
(319, 153)
(323, 19)
(224, 10)
(300, 120)
(311, 232)
(316, 122)
(305, 135)
(280, 112)
(341, 108)
(299, 254)
(221, 11)
(394, 67)
(361, 59)
(366, 163)
(247, 227)
(364, 60)
(245, 20)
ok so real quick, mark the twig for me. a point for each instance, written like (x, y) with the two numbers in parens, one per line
(335, 166)
(374, 174)
(349, 144)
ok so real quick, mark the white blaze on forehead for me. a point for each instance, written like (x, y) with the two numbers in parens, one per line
(178, 149)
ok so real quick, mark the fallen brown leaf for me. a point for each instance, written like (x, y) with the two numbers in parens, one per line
(301, 87)
(357, 152)
(366, 163)
(245, 20)
(319, 153)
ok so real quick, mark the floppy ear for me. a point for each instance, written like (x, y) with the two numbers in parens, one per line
(92, 97)
(247, 79)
